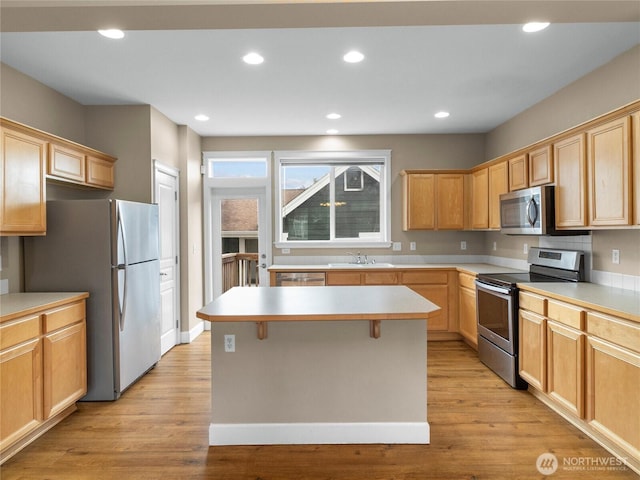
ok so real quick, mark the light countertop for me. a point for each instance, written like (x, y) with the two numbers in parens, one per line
(473, 268)
(14, 305)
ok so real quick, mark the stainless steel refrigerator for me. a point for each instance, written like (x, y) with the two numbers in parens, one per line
(110, 249)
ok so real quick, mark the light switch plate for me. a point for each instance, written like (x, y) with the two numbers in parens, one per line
(397, 246)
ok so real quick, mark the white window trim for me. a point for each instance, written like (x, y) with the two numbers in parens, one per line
(346, 157)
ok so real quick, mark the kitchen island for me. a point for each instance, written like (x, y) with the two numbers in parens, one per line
(317, 365)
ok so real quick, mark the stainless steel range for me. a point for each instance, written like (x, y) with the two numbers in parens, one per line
(497, 306)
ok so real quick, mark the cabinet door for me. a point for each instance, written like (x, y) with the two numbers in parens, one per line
(609, 171)
(498, 184)
(22, 179)
(20, 391)
(65, 368)
(518, 172)
(541, 166)
(571, 184)
(635, 168)
(438, 294)
(450, 201)
(66, 163)
(480, 197)
(467, 312)
(343, 278)
(613, 396)
(419, 201)
(532, 349)
(100, 173)
(565, 366)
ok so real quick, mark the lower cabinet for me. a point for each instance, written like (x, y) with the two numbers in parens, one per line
(565, 366)
(585, 365)
(468, 322)
(43, 372)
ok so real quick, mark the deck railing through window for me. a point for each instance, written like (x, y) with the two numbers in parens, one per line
(239, 269)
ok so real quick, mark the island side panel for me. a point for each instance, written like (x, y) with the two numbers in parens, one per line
(328, 373)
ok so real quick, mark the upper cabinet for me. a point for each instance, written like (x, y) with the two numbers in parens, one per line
(518, 172)
(541, 166)
(433, 201)
(480, 199)
(30, 157)
(635, 168)
(571, 182)
(22, 176)
(498, 184)
(609, 173)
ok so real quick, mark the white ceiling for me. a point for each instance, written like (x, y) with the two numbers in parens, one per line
(482, 74)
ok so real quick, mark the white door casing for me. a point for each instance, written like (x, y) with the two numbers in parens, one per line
(166, 195)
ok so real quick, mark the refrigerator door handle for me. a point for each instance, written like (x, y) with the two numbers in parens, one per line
(122, 303)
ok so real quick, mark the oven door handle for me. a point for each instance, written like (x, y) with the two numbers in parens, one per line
(492, 288)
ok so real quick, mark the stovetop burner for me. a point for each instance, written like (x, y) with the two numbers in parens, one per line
(511, 279)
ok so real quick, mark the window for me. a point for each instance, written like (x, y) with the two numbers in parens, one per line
(328, 199)
(237, 164)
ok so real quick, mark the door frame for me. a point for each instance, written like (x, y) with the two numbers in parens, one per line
(172, 172)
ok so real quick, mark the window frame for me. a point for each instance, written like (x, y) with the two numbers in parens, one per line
(348, 158)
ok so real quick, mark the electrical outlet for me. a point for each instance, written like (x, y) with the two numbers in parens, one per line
(286, 251)
(615, 256)
(495, 246)
(463, 245)
(412, 246)
(230, 343)
(525, 248)
(397, 246)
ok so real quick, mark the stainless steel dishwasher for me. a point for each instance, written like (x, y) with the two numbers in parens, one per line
(300, 279)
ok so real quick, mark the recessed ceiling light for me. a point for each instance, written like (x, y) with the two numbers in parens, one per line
(532, 27)
(332, 131)
(253, 58)
(201, 117)
(441, 115)
(353, 57)
(334, 116)
(113, 33)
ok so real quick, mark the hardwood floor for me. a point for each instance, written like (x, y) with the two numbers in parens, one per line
(480, 429)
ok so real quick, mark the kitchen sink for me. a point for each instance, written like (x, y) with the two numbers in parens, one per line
(361, 265)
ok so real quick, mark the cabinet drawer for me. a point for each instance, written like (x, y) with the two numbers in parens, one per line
(381, 278)
(467, 281)
(614, 330)
(343, 278)
(567, 314)
(534, 303)
(422, 278)
(63, 316)
(19, 331)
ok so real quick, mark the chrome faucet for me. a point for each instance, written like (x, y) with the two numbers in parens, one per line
(357, 258)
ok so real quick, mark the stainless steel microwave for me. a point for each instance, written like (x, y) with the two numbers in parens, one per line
(528, 212)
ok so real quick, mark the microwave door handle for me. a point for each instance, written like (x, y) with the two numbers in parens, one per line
(532, 206)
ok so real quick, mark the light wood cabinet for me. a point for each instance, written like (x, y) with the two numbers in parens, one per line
(450, 201)
(435, 287)
(498, 184)
(77, 165)
(433, 201)
(343, 278)
(480, 199)
(468, 323)
(518, 172)
(438, 294)
(418, 196)
(571, 182)
(635, 167)
(541, 166)
(585, 364)
(565, 366)
(609, 173)
(22, 177)
(42, 371)
(532, 349)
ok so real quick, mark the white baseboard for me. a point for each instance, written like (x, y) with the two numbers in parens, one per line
(318, 433)
(191, 335)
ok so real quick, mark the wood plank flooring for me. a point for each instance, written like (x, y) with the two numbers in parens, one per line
(480, 429)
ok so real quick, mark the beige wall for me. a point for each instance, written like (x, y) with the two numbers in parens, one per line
(627, 241)
(611, 86)
(164, 140)
(28, 101)
(191, 271)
